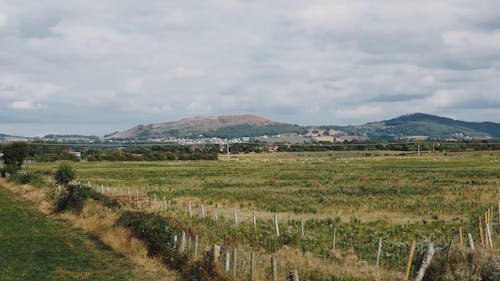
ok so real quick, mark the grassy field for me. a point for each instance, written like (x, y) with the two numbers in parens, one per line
(34, 247)
(363, 196)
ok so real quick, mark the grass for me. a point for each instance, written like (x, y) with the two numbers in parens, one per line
(35, 247)
(363, 195)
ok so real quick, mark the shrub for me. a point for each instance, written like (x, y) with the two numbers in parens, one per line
(75, 196)
(64, 174)
(28, 178)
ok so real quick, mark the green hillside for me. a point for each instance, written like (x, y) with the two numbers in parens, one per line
(419, 124)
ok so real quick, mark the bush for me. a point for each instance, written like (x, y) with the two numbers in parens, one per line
(64, 174)
(75, 196)
(28, 178)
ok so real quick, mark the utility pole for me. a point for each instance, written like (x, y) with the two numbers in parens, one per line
(418, 149)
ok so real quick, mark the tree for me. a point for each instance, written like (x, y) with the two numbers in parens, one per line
(64, 174)
(14, 155)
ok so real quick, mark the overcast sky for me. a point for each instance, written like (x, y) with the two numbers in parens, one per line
(95, 67)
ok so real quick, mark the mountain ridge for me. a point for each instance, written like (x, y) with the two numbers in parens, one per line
(246, 125)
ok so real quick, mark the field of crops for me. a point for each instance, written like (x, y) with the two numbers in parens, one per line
(360, 196)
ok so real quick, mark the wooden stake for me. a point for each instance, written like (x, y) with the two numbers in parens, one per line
(334, 238)
(410, 258)
(235, 217)
(471, 242)
(252, 266)
(276, 226)
(254, 219)
(429, 253)
(274, 269)
(379, 251)
(164, 203)
(460, 238)
(202, 211)
(216, 253)
(195, 247)
(480, 227)
(226, 261)
(154, 202)
(190, 210)
(488, 234)
(183, 242)
(216, 216)
(235, 262)
(498, 212)
(302, 227)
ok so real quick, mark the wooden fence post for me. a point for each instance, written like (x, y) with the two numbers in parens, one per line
(195, 247)
(252, 266)
(274, 269)
(480, 226)
(254, 219)
(190, 210)
(471, 242)
(460, 238)
(183, 242)
(216, 253)
(334, 238)
(488, 235)
(410, 258)
(235, 217)
(227, 261)
(499, 212)
(429, 252)
(276, 225)
(235, 262)
(293, 276)
(216, 216)
(154, 202)
(379, 251)
(301, 227)
(202, 211)
(164, 203)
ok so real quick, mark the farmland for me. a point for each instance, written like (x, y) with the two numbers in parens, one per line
(361, 196)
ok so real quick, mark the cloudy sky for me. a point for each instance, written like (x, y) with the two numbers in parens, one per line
(94, 67)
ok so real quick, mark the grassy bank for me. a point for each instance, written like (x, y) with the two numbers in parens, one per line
(35, 247)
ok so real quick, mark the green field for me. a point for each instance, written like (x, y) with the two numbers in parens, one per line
(363, 196)
(34, 247)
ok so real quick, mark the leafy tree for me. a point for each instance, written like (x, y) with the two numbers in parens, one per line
(64, 174)
(13, 156)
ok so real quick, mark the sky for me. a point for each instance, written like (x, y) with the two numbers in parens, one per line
(95, 67)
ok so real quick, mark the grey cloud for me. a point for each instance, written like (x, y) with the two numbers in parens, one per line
(128, 62)
(397, 98)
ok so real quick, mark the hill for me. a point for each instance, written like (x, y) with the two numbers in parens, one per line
(209, 126)
(420, 125)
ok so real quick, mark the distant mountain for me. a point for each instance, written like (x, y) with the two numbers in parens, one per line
(420, 125)
(417, 125)
(245, 125)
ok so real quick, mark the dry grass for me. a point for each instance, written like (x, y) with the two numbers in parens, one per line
(341, 265)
